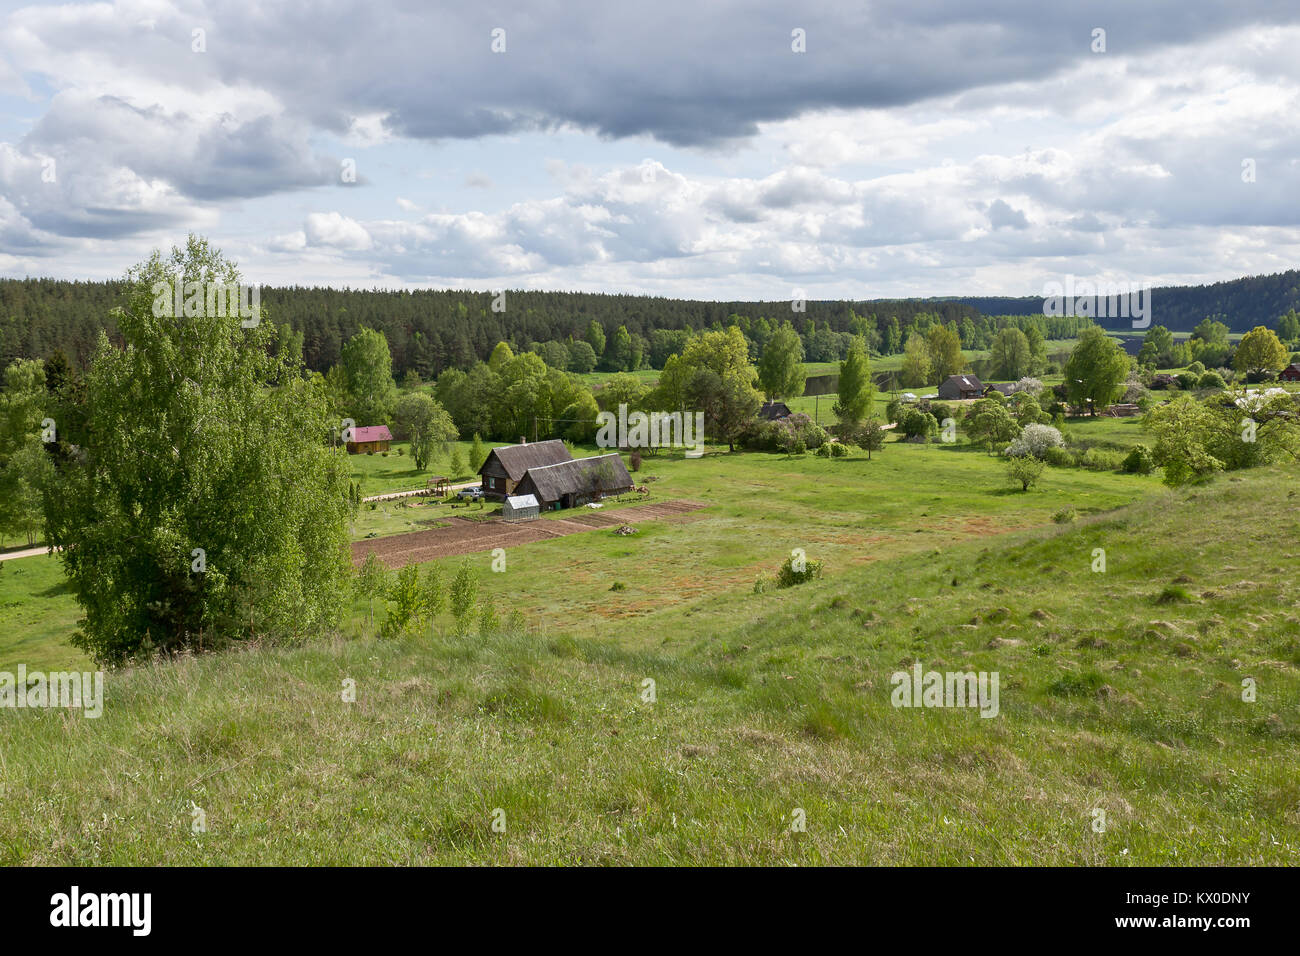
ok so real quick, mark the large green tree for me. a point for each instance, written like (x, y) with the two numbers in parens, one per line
(780, 368)
(1260, 352)
(368, 366)
(1096, 370)
(24, 465)
(425, 424)
(945, 353)
(203, 505)
(1011, 355)
(856, 390)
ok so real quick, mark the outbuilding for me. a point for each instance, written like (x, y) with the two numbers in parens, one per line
(569, 484)
(520, 508)
(367, 439)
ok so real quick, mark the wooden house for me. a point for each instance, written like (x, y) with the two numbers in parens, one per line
(505, 466)
(774, 411)
(1290, 374)
(569, 484)
(367, 439)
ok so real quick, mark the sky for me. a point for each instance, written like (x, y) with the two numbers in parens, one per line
(710, 150)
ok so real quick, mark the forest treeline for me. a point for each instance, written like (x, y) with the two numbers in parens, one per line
(1241, 304)
(429, 331)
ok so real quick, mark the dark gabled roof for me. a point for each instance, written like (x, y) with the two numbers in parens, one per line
(577, 476)
(517, 459)
(964, 383)
(771, 411)
(1009, 388)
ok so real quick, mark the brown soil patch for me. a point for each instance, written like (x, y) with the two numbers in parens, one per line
(464, 536)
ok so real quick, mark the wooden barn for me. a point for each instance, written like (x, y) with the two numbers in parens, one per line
(958, 387)
(505, 466)
(774, 411)
(575, 482)
(369, 438)
(1290, 374)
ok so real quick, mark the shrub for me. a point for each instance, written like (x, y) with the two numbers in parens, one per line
(838, 449)
(1211, 380)
(824, 451)
(1196, 368)
(1100, 459)
(1034, 440)
(1065, 515)
(1024, 471)
(788, 576)
(918, 424)
(1188, 380)
(1059, 457)
(1139, 461)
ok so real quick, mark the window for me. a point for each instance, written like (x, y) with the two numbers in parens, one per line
(492, 482)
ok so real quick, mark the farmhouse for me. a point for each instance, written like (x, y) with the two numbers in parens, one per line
(369, 438)
(774, 411)
(959, 387)
(505, 466)
(1290, 374)
(575, 482)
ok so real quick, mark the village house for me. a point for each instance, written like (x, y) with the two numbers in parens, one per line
(1006, 390)
(506, 466)
(569, 484)
(774, 411)
(959, 387)
(1290, 374)
(368, 439)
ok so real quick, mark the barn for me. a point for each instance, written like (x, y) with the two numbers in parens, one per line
(369, 438)
(505, 466)
(774, 411)
(575, 482)
(1290, 374)
(958, 387)
(520, 508)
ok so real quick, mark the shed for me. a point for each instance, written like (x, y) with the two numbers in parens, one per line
(505, 466)
(520, 508)
(369, 438)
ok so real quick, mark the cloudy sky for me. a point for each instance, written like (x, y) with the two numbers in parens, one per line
(691, 149)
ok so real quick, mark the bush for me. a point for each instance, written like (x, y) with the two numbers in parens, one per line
(1024, 471)
(1139, 461)
(1034, 440)
(1059, 457)
(824, 451)
(1188, 380)
(788, 576)
(1211, 380)
(918, 424)
(1065, 515)
(1100, 459)
(839, 450)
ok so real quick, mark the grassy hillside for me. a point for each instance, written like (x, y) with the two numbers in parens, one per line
(1120, 691)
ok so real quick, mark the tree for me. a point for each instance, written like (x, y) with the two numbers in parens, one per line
(1011, 355)
(780, 370)
(24, 464)
(368, 367)
(1209, 343)
(1025, 471)
(426, 425)
(989, 423)
(372, 581)
(478, 453)
(1034, 440)
(619, 352)
(406, 604)
(870, 436)
(582, 357)
(464, 595)
(1260, 352)
(1096, 370)
(857, 392)
(596, 338)
(434, 598)
(945, 353)
(206, 508)
(916, 362)
(729, 403)
(501, 354)
(1288, 327)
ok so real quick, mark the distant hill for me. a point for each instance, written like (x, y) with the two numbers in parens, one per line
(1240, 303)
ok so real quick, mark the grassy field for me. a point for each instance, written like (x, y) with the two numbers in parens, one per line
(1120, 692)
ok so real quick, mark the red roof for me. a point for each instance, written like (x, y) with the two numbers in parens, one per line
(368, 433)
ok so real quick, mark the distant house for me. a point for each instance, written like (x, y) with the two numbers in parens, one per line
(369, 438)
(506, 466)
(1290, 374)
(1123, 410)
(774, 411)
(1164, 380)
(959, 387)
(575, 482)
(1008, 389)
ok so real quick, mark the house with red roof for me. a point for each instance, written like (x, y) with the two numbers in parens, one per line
(368, 439)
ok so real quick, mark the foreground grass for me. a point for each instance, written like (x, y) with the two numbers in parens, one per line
(1120, 691)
